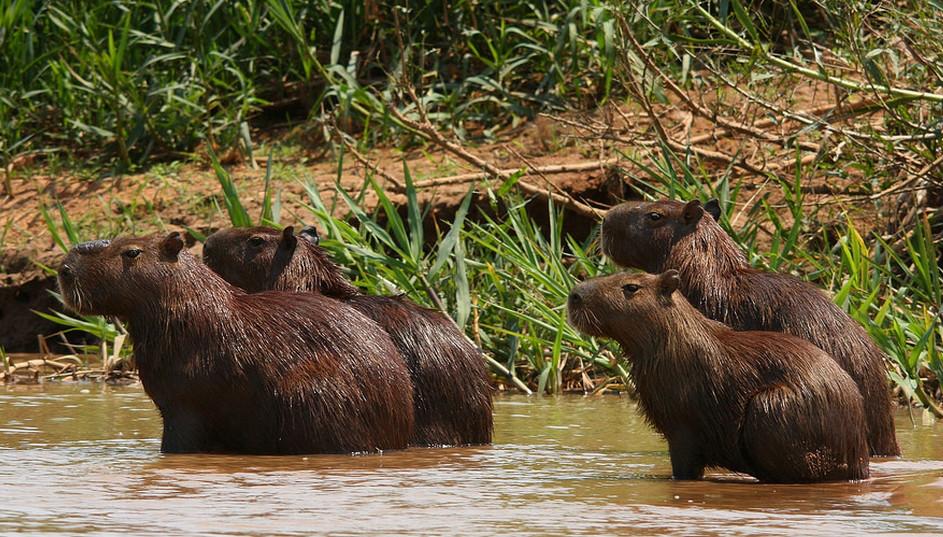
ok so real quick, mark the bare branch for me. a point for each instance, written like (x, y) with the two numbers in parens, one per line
(550, 169)
(427, 131)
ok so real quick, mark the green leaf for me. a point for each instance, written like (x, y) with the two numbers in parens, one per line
(195, 234)
(462, 292)
(414, 213)
(267, 218)
(238, 215)
(509, 183)
(745, 20)
(338, 39)
(544, 376)
(447, 244)
(53, 228)
(375, 230)
(394, 222)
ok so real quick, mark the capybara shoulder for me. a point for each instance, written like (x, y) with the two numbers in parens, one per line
(763, 403)
(273, 373)
(717, 279)
(452, 392)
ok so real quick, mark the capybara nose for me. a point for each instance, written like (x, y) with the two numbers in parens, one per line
(92, 246)
(575, 300)
(66, 272)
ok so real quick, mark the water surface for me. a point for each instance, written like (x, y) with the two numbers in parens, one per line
(83, 459)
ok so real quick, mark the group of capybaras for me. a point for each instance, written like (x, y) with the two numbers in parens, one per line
(265, 347)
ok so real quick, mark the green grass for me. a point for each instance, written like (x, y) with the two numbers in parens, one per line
(126, 81)
(501, 279)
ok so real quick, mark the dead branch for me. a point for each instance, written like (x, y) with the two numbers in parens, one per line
(550, 169)
(787, 164)
(850, 110)
(910, 180)
(720, 156)
(533, 169)
(427, 131)
(397, 184)
(717, 156)
(704, 112)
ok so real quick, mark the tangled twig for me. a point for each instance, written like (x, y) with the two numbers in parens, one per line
(396, 184)
(539, 170)
(428, 132)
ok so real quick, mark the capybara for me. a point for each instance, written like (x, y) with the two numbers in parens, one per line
(269, 373)
(716, 279)
(452, 394)
(767, 404)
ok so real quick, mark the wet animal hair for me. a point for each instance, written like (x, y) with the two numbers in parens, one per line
(451, 390)
(717, 279)
(261, 259)
(269, 373)
(766, 404)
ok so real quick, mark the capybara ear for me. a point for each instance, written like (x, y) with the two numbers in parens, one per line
(310, 234)
(692, 212)
(713, 208)
(171, 245)
(288, 240)
(668, 282)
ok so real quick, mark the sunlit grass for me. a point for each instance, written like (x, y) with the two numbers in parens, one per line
(129, 80)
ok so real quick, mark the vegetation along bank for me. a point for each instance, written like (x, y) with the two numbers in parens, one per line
(462, 153)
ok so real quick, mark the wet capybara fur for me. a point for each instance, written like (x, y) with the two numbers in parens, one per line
(452, 394)
(230, 372)
(766, 404)
(717, 279)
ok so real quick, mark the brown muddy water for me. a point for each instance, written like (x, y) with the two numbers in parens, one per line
(83, 459)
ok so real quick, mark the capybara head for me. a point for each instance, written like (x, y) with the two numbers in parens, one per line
(113, 277)
(260, 258)
(613, 306)
(245, 256)
(640, 234)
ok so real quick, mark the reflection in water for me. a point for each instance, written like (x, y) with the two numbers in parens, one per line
(84, 459)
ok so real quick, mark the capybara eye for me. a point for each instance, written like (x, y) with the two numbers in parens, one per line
(256, 241)
(654, 217)
(132, 253)
(630, 288)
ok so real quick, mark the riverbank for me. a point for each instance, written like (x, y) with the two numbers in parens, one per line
(818, 131)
